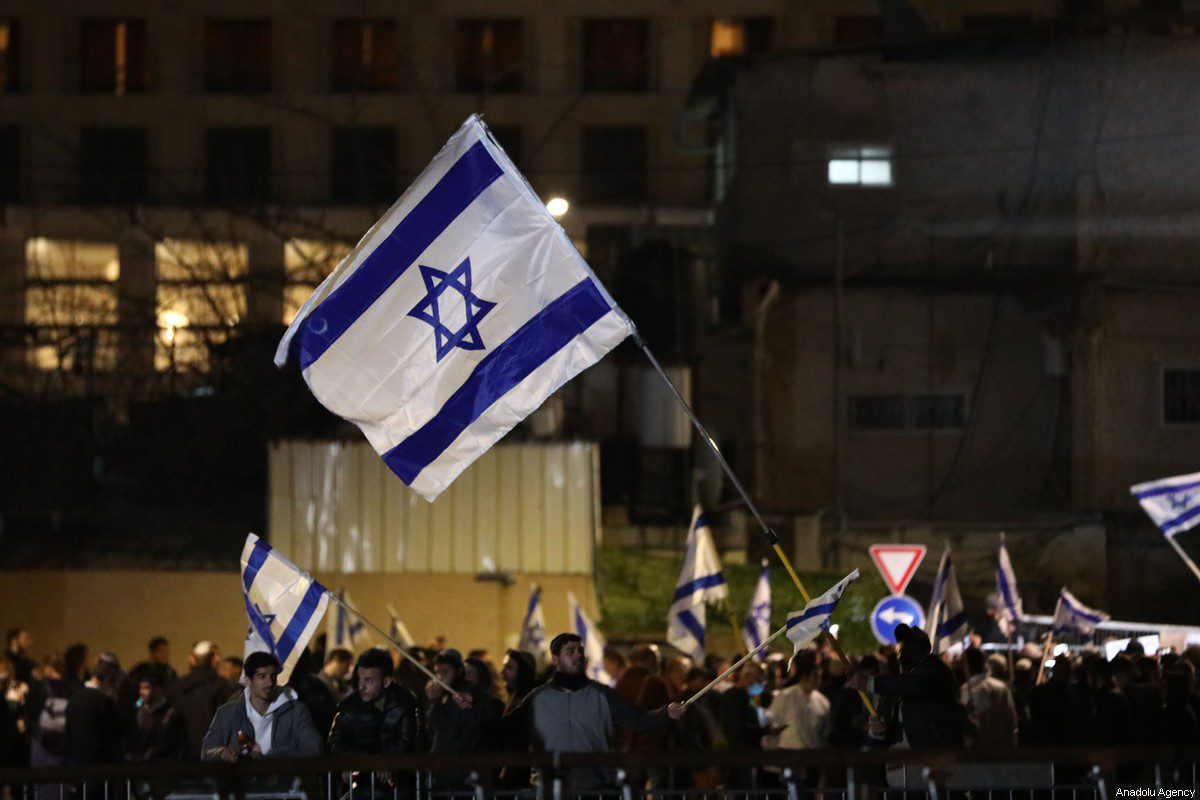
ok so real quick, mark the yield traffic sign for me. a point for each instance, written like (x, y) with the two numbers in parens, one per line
(897, 563)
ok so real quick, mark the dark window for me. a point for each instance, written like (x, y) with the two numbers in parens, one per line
(615, 55)
(509, 137)
(858, 29)
(239, 164)
(875, 412)
(898, 412)
(1181, 396)
(10, 54)
(366, 56)
(488, 55)
(994, 23)
(363, 165)
(614, 164)
(237, 55)
(739, 36)
(112, 165)
(1162, 6)
(10, 165)
(939, 412)
(112, 56)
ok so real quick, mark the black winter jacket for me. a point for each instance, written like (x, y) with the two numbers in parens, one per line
(361, 727)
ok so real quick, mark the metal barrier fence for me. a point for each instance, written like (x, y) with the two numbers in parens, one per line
(1067, 774)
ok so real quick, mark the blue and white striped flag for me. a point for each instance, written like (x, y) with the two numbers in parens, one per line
(533, 629)
(700, 582)
(284, 605)
(757, 625)
(593, 642)
(807, 624)
(454, 317)
(1173, 503)
(1006, 588)
(947, 625)
(343, 629)
(1073, 617)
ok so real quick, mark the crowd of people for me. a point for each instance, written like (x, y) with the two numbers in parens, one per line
(80, 708)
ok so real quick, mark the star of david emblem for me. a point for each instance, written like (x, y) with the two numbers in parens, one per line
(1180, 501)
(435, 308)
(761, 611)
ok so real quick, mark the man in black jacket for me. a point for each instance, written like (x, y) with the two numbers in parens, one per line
(199, 694)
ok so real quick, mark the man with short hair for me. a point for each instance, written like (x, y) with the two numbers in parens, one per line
(200, 693)
(159, 663)
(263, 720)
(800, 712)
(17, 647)
(989, 704)
(333, 674)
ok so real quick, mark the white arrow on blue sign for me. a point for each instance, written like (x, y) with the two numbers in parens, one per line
(893, 610)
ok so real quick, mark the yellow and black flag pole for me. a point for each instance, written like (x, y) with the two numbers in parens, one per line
(771, 536)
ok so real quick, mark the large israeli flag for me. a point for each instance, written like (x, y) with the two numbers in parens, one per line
(533, 628)
(284, 605)
(454, 317)
(1072, 617)
(1006, 588)
(1173, 503)
(343, 629)
(947, 624)
(593, 642)
(700, 582)
(757, 625)
(809, 622)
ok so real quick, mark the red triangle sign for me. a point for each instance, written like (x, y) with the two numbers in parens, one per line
(897, 563)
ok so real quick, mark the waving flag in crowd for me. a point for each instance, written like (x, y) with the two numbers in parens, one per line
(807, 624)
(1006, 588)
(1072, 617)
(593, 642)
(454, 317)
(757, 625)
(343, 629)
(533, 629)
(1173, 503)
(284, 605)
(947, 625)
(700, 581)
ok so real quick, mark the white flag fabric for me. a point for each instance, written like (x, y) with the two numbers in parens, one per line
(284, 605)
(399, 629)
(1072, 617)
(700, 581)
(533, 629)
(1173, 503)
(947, 624)
(757, 625)
(807, 624)
(1006, 588)
(454, 317)
(593, 642)
(343, 629)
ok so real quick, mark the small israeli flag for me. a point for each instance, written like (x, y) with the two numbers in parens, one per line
(700, 582)
(947, 625)
(533, 629)
(1072, 617)
(1173, 503)
(283, 604)
(454, 318)
(757, 625)
(399, 629)
(807, 624)
(1006, 588)
(593, 642)
(343, 629)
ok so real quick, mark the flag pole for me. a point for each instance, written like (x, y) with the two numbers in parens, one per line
(403, 650)
(771, 536)
(733, 667)
(1191, 564)
(1045, 655)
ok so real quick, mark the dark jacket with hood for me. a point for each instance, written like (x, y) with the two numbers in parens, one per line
(362, 727)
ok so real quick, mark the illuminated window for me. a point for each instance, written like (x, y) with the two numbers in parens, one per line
(71, 303)
(365, 56)
(861, 166)
(306, 263)
(201, 297)
(10, 54)
(113, 56)
(488, 55)
(741, 36)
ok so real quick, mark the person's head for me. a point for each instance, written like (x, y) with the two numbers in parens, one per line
(373, 674)
(478, 672)
(567, 654)
(973, 661)
(1022, 672)
(675, 672)
(646, 656)
(697, 678)
(75, 661)
(1134, 649)
(18, 640)
(52, 667)
(868, 665)
(806, 671)
(997, 667)
(751, 677)
(107, 672)
(204, 654)
(230, 668)
(160, 651)
(338, 662)
(448, 666)
(150, 688)
(912, 646)
(614, 663)
(519, 673)
(262, 675)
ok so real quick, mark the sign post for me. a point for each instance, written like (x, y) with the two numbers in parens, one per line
(897, 564)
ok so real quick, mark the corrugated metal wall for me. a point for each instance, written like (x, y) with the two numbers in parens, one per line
(526, 508)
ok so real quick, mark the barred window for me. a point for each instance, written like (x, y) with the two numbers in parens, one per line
(1181, 396)
(201, 296)
(71, 303)
(306, 263)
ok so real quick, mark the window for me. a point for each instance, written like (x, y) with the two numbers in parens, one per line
(10, 54)
(201, 296)
(488, 55)
(615, 55)
(911, 412)
(239, 165)
(112, 56)
(237, 55)
(363, 165)
(736, 37)
(112, 165)
(614, 164)
(995, 23)
(860, 166)
(306, 263)
(857, 30)
(10, 165)
(1181, 396)
(366, 56)
(71, 303)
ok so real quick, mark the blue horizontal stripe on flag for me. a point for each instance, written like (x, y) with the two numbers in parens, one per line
(1161, 490)
(951, 625)
(693, 626)
(471, 174)
(258, 557)
(815, 611)
(1191, 513)
(699, 584)
(1080, 612)
(299, 621)
(509, 363)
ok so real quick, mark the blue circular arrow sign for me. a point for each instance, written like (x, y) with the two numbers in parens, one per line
(890, 612)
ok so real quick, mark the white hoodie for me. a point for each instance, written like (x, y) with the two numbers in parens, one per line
(264, 724)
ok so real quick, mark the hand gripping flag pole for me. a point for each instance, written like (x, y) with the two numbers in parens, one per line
(771, 536)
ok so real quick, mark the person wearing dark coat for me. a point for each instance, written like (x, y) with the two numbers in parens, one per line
(159, 732)
(200, 693)
(94, 734)
(459, 722)
(928, 713)
(313, 692)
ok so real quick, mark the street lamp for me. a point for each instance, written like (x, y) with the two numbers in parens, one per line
(558, 206)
